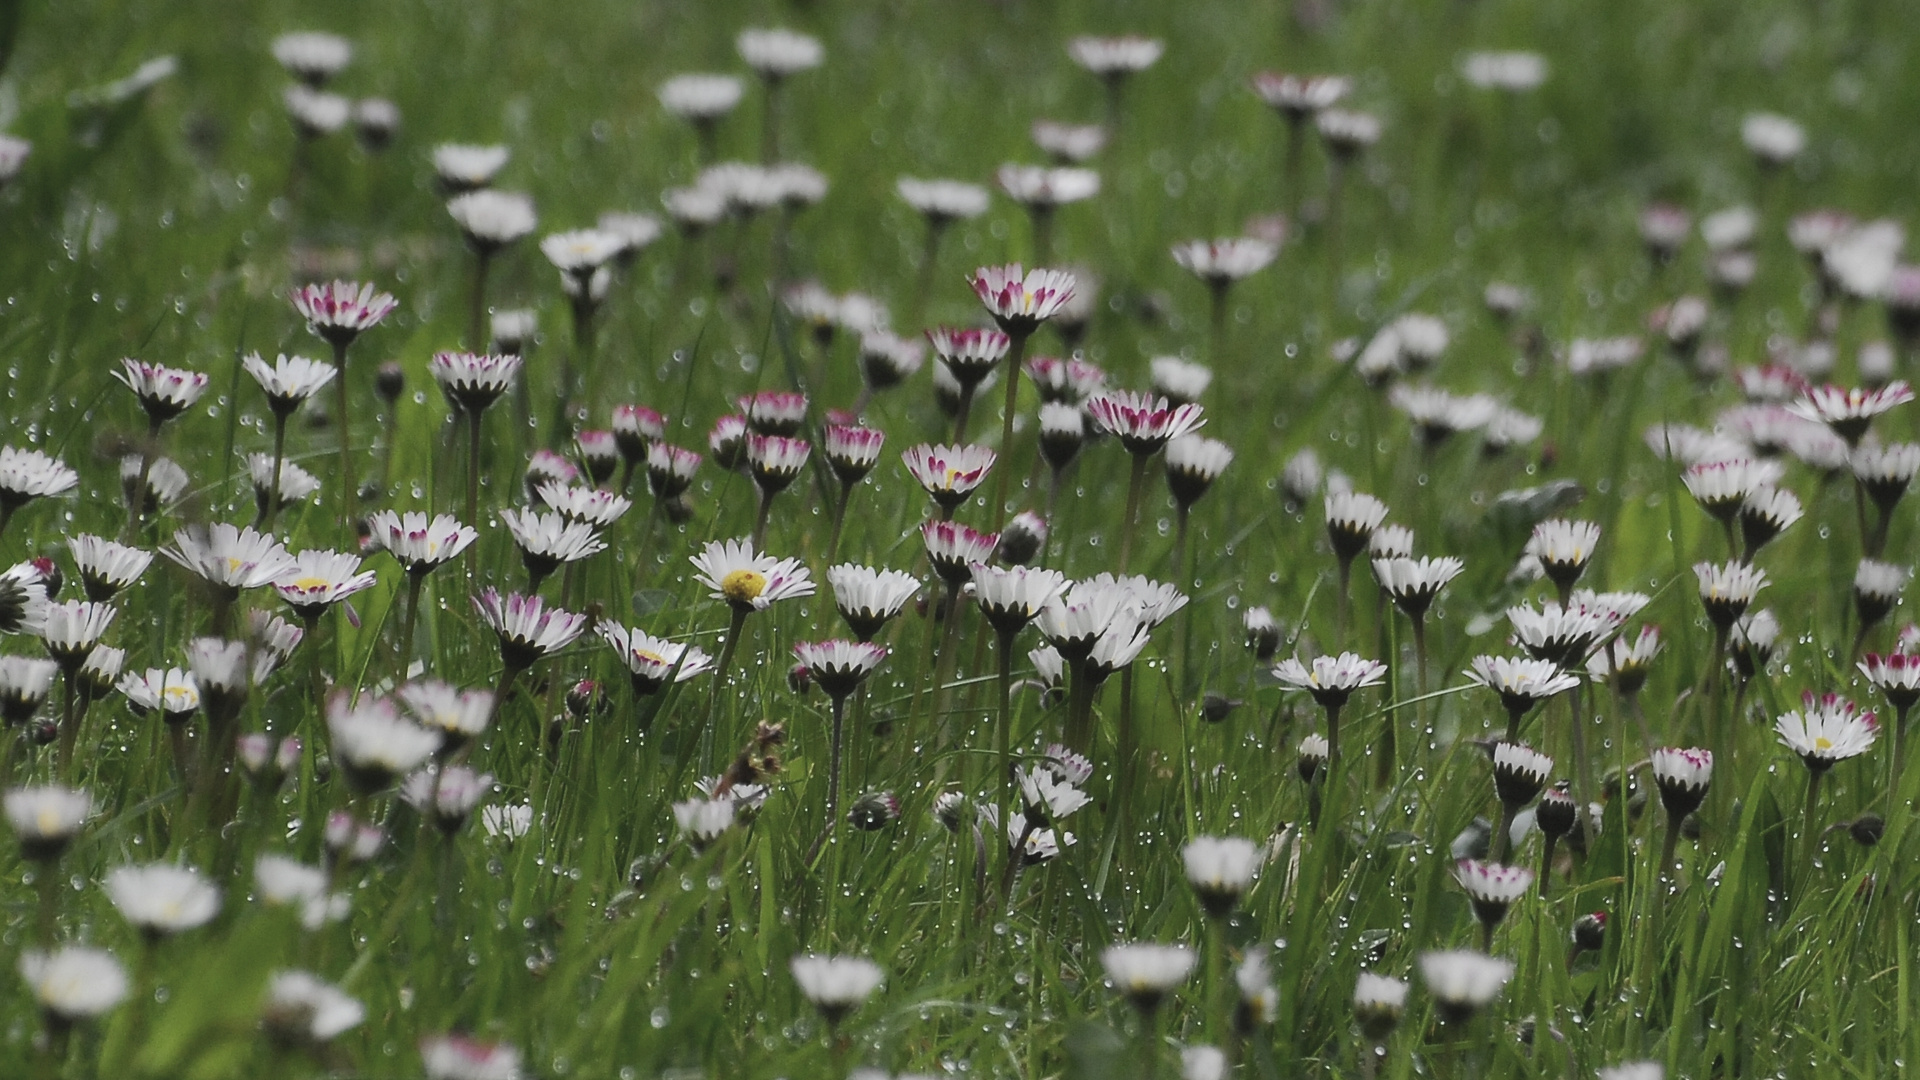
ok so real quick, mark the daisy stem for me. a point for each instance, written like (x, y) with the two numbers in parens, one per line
(839, 522)
(720, 671)
(1503, 840)
(477, 303)
(1218, 320)
(1582, 766)
(1004, 736)
(1134, 483)
(403, 649)
(473, 481)
(1546, 864)
(961, 413)
(272, 508)
(349, 491)
(1868, 547)
(1016, 355)
(832, 828)
(1079, 730)
(69, 729)
(760, 519)
(929, 260)
(1809, 832)
(1333, 735)
(1343, 611)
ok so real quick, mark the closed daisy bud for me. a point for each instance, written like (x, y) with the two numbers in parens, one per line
(1063, 429)
(1886, 471)
(73, 983)
(852, 451)
(1463, 982)
(670, 470)
(1564, 548)
(1221, 870)
(1589, 932)
(1022, 538)
(887, 359)
(296, 483)
(1624, 662)
(1145, 973)
(1379, 1002)
(46, 818)
(599, 454)
(160, 899)
(1259, 1002)
(1300, 479)
(1194, 462)
(1876, 590)
(1492, 889)
(874, 811)
(728, 441)
(1262, 632)
(835, 985)
(1682, 776)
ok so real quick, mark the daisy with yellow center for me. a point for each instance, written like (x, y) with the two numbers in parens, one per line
(652, 661)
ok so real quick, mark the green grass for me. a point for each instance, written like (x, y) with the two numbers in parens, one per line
(602, 944)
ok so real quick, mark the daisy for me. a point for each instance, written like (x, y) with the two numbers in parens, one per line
(315, 112)
(1826, 731)
(1022, 538)
(1012, 597)
(230, 558)
(868, 598)
(1885, 471)
(283, 881)
(1876, 589)
(302, 1007)
(1492, 889)
(1074, 622)
(1624, 662)
(1564, 548)
(703, 821)
(1220, 870)
(339, 311)
(835, 985)
(1194, 462)
(458, 715)
(447, 796)
(490, 220)
(1352, 517)
(1220, 263)
(13, 157)
(1069, 144)
(289, 381)
(1063, 430)
(969, 354)
(653, 662)
(1414, 584)
(1727, 589)
(1177, 380)
(748, 581)
(1765, 514)
(1664, 228)
(1514, 72)
(839, 666)
(852, 451)
(1330, 679)
(1751, 641)
(295, 485)
(637, 232)
(775, 412)
(953, 549)
(1115, 57)
(1262, 632)
(100, 672)
(26, 475)
(374, 744)
(473, 382)
(1298, 97)
(72, 630)
(636, 429)
(1146, 972)
(508, 822)
(1041, 189)
(160, 899)
(73, 983)
(1563, 634)
(1682, 775)
(375, 121)
(164, 392)
(1463, 982)
(1142, 423)
(456, 1057)
(1519, 772)
(775, 461)
(1521, 683)
(463, 167)
(419, 543)
(1390, 542)
(1346, 133)
(312, 56)
(169, 690)
(949, 474)
(1378, 1003)
(1020, 300)
(1069, 381)
(1849, 412)
(694, 209)
(1437, 415)
(25, 682)
(887, 360)
(1773, 139)
(46, 818)
(548, 540)
(670, 470)
(527, 628)
(23, 599)
(943, 201)
(580, 252)
(701, 99)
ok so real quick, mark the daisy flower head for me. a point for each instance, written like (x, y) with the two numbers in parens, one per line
(1194, 462)
(1492, 888)
(949, 474)
(1352, 516)
(419, 543)
(302, 1008)
(1766, 513)
(1069, 144)
(1379, 1001)
(1013, 596)
(701, 99)
(702, 821)
(868, 598)
(953, 549)
(1181, 382)
(456, 1057)
(1070, 381)
(778, 53)
(101, 671)
(1885, 471)
(1220, 263)
(1519, 772)
(26, 475)
(527, 628)
(1220, 869)
(1751, 640)
(1513, 72)
(1727, 589)
(1897, 676)
(746, 580)
(1682, 775)
(171, 691)
(653, 662)
(1331, 679)
(1562, 634)
(23, 599)
(839, 666)
(491, 219)
(1664, 227)
(1521, 683)
(295, 483)
(375, 121)
(1463, 982)
(1143, 423)
(1346, 132)
(1146, 972)
(339, 311)
(25, 682)
(462, 167)
(1262, 632)
(1625, 661)
(1074, 622)
(670, 470)
(835, 985)
(164, 392)
(230, 558)
(458, 715)
(694, 209)
(577, 253)
(1299, 97)
(1564, 548)
(1437, 415)
(1826, 730)
(637, 232)
(1063, 431)
(289, 381)
(775, 412)
(728, 441)
(1634, 1070)
(943, 201)
(72, 629)
(1772, 139)
(852, 451)
(1018, 299)
(1876, 589)
(887, 359)
(1115, 57)
(636, 428)
(74, 983)
(446, 796)
(315, 112)
(472, 382)
(969, 354)
(548, 540)
(1021, 539)
(1849, 412)
(374, 744)
(161, 899)
(13, 157)
(775, 461)
(46, 818)
(594, 507)
(312, 56)
(1414, 584)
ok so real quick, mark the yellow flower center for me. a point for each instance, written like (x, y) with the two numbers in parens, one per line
(654, 657)
(309, 584)
(1823, 743)
(181, 695)
(743, 586)
(234, 565)
(48, 821)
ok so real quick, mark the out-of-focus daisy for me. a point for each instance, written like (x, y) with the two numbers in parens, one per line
(1068, 144)
(1379, 1001)
(374, 744)
(943, 201)
(1299, 97)
(375, 122)
(458, 715)
(1514, 72)
(312, 56)
(1345, 132)
(163, 392)
(777, 53)
(462, 167)
(46, 818)
(1774, 140)
(315, 113)
(491, 220)
(456, 1057)
(1113, 58)
(301, 1007)
(703, 821)
(1220, 263)
(419, 543)
(1146, 972)
(527, 628)
(339, 311)
(1220, 869)
(160, 898)
(700, 99)
(835, 985)
(1463, 982)
(73, 983)
(1849, 412)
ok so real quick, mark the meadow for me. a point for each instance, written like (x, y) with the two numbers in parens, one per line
(1332, 538)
